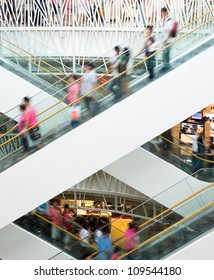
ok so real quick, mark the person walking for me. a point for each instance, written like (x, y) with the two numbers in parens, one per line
(122, 66)
(89, 80)
(150, 47)
(73, 95)
(104, 245)
(113, 86)
(22, 127)
(130, 239)
(56, 219)
(34, 131)
(167, 26)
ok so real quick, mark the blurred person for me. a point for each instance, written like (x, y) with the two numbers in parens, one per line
(89, 80)
(56, 219)
(43, 209)
(22, 127)
(73, 94)
(207, 134)
(130, 239)
(194, 151)
(167, 26)
(66, 218)
(201, 150)
(92, 223)
(104, 245)
(122, 66)
(32, 121)
(98, 232)
(113, 86)
(66, 223)
(84, 235)
(116, 253)
(150, 47)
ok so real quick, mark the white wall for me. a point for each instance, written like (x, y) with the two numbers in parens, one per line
(199, 249)
(14, 88)
(107, 137)
(18, 244)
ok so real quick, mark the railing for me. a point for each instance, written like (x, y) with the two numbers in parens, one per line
(137, 72)
(85, 14)
(206, 15)
(175, 236)
(72, 61)
(180, 154)
(14, 146)
(156, 226)
(70, 243)
(65, 240)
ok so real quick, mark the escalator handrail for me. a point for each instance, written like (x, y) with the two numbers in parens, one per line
(59, 80)
(104, 84)
(28, 60)
(104, 74)
(167, 230)
(172, 207)
(188, 152)
(168, 210)
(177, 204)
(64, 230)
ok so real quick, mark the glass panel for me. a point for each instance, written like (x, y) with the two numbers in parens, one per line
(157, 232)
(67, 241)
(177, 237)
(180, 154)
(58, 123)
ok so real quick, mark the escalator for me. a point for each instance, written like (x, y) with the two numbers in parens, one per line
(164, 234)
(158, 236)
(180, 154)
(177, 237)
(89, 154)
(165, 154)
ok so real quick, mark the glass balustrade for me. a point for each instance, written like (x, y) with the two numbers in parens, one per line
(175, 151)
(162, 240)
(152, 236)
(55, 122)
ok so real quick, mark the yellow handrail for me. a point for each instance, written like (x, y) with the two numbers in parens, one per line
(171, 208)
(23, 57)
(36, 57)
(179, 30)
(167, 230)
(105, 74)
(64, 230)
(190, 153)
(104, 84)
(168, 210)
(124, 71)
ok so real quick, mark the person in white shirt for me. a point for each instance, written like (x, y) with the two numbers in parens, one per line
(167, 25)
(89, 80)
(98, 233)
(84, 235)
(195, 161)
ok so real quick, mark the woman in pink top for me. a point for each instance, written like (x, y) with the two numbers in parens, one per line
(30, 112)
(31, 122)
(131, 241)
(73, 94)
(22, 126)
(56, 219)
